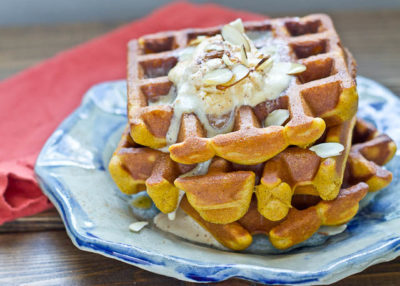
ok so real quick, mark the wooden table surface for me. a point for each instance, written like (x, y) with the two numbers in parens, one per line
(36, 250)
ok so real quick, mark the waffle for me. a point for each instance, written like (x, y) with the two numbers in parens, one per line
(135, 168)
(308, 212)
(223, 194)
(370, 151)
(323, 95)
(301, 171)
(241, 172)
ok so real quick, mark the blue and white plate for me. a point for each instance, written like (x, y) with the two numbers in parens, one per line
(72, 171)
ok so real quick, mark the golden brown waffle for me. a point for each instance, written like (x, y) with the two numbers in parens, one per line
(220, 196)
(259, 179)
(133, 166)
(223, 194)
(370, 151)
(323, 95)
(297, 227)
(301, 171)
(136, 168)
(293, 171)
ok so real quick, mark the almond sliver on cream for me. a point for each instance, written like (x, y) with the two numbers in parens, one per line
(218, 76)
(227, 60)
(296, 68)
(265, 63)
(325, 150)
(233, 36)
(240, 72)
(238, 25)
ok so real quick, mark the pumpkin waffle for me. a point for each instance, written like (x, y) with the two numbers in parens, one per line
(324, 95)
(135, 168)
(308, 212)
(302, 171)
(223, 194)
(215, 115)
(369, 152)
(132, 166)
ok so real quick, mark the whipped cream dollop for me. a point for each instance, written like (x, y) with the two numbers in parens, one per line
(217, 74)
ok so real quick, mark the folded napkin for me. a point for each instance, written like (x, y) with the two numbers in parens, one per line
(35, 101)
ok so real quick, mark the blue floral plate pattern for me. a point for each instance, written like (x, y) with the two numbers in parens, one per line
(72, 171)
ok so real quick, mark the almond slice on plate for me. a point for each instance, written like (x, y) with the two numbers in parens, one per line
(218, 76)
(276, 117)
(325, 150)
(296, 68)
(234, 37)
(137, 226)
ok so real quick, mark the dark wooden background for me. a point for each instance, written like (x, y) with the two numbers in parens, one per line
(36, 250)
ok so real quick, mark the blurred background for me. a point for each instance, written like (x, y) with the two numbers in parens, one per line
(28, 12)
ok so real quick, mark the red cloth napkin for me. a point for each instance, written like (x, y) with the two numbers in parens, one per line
(35, 101)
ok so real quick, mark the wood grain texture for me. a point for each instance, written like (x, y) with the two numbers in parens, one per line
(47, 220)
(37, 251)
(49, 258)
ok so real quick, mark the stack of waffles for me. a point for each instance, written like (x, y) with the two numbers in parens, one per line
(249, 128)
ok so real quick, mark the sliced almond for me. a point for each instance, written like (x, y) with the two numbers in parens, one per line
(137, 226)
(234, 37)
(325, 150)
(332, 230)
(227, 60)
(238, 25)
(243, 55)
(213, 47)
(264, 64)
(213, 64)
(296, 68)
(277, 117)
(197, 40)
(227, 84)
(218, 76)
(240, 72)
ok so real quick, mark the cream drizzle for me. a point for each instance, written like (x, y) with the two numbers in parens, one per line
(185, 227)
(192, 96)
(200, 169)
